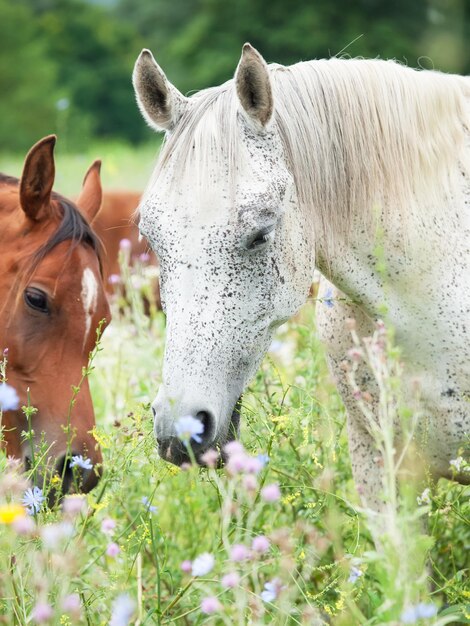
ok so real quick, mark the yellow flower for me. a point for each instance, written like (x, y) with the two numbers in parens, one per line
(10, 512)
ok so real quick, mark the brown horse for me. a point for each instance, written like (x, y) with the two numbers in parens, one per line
(52, 300)
(117, 222)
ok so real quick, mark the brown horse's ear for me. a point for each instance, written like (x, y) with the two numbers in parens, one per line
(37, 179)
(91, 196)
(254, 87)
(160, 103)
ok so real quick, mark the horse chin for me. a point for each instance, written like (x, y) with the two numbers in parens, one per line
(175, 451)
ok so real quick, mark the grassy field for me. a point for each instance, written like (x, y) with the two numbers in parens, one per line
(277, 540)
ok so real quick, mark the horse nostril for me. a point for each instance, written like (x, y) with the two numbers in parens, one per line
(208, 422)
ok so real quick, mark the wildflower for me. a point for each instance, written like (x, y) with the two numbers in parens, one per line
(354, 574)
(114, 279)
(456, 464)
(108, 525)
(355, 354)
(144, 257)
(210, 605)
(263, 459)
(202, 564)
(79, 461)
(253, 465)
(113, 549)
(425, 497)
(188, 427)
(42, 612)
(231, 580)
(146, 502)
(421, 611)
(54, 534)
(123, 609)
(239, 552)
(328, 300)
(249, 482)
(125, 244)
(233, 447)
(9, 400)
(73, 505)
(260, 544)
(271, 493)
(71, 604)
(271, 591)
(186, 566)
(23, 526)
(237, 463)
(10, 512)
(33, 500)
(210, 458)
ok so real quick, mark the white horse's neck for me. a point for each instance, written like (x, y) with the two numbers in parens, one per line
(372, 144)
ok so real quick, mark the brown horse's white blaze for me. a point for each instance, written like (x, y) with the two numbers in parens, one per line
(53, 300)
(285, 168)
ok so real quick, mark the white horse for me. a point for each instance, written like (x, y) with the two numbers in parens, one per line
(286, 169)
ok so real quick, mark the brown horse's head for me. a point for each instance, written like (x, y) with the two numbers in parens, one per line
(52, 300)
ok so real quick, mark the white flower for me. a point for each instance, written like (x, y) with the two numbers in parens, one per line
(425, 497)
(456, 464)
(202, 564)
(123, 609)
(9, 400)
(188, 427)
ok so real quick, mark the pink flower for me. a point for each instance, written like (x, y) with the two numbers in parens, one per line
(42, 612)
(186, 566)
(108, 525)
(231, 580)
(71, 604)
(114, 279)
(260, 544)
(271, 493)
(113, 549)
(239, 552)
(250, 483)
(24, 525)
(210, 457)
(234, 447)
(237, 463)
(125, 244)
(210, 605)
(73, 505)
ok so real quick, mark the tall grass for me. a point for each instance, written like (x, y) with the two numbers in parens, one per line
(283, 541)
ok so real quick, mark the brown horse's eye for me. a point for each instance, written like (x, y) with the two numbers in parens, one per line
(36, 299)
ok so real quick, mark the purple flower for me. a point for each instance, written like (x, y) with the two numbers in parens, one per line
(123, 609)
(328, 300)
(233, 447)
(421, 611)
(79, 461)
(9, 400)
(202, 564)
(188, 427)
(263, 459)
(210, 605)
(239, 552)
(354, 574)
(186, 566)
(231, 580)
(71, 604)
(125, 244)
(147, 504)
(42, 612)
(33, 500)
(260, 544)
(108, 525)
(114, 279)
(271, 591)
(73, 505)
(113, 549)
(271, 493)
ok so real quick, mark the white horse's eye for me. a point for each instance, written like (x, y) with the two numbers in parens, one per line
(261, 238)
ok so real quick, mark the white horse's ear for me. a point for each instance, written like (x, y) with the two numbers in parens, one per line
(159, 101)
(254, 86)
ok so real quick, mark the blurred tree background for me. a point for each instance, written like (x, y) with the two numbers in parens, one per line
(65, 65)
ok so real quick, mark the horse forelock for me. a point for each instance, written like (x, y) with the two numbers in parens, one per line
(360, 137)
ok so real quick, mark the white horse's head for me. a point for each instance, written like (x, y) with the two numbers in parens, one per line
(236, 256)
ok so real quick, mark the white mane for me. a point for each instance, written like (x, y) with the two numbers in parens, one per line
(358, 135)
